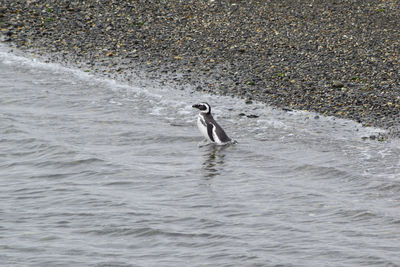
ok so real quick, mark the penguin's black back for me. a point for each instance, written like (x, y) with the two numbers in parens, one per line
(218, 129)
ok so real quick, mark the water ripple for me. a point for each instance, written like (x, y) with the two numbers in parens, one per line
(103, 173)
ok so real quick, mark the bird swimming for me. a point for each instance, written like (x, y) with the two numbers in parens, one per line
(211, 130)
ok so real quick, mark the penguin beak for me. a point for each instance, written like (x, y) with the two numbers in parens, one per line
(196, 106)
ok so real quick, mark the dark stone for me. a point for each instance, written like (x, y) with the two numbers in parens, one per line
(252, 116)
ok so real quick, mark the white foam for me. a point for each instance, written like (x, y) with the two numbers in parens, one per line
(177, 103)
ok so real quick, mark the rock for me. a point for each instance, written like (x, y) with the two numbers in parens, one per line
(337, 84)
(252, 116)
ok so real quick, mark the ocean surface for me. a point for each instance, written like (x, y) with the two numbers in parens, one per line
(95, 172)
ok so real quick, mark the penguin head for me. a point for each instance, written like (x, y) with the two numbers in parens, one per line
(203, 107)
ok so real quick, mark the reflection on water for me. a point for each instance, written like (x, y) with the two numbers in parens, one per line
(213, 159)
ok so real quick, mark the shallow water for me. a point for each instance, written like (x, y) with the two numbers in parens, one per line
(99, 173)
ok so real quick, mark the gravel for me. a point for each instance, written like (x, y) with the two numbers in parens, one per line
(338, 58)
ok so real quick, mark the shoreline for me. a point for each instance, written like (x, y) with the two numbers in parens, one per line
(336, 59)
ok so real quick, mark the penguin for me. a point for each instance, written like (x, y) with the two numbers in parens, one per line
(209, 127)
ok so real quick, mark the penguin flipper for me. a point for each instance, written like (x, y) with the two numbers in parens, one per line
(210, 131)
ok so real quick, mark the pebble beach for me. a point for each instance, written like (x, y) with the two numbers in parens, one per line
(336, 58)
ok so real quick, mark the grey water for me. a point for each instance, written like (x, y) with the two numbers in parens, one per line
(95, 172)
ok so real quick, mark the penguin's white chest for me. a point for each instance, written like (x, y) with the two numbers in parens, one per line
(201, 124)
(203, 127)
